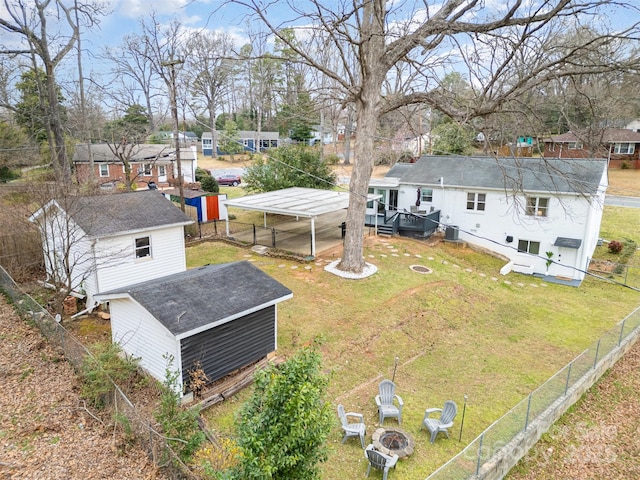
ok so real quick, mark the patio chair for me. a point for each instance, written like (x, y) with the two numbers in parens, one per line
(386, 401)
(379, 460)
(442, 424)
(352, 429)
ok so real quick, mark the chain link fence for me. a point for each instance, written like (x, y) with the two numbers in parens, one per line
(133, 421)
(496, 450)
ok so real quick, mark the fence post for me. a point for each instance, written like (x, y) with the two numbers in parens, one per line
(621, 331)
(595, 360)
(255, 239)
(215, 227)
(526, 420)
(479, 454)
(566, 386)
(273, 237)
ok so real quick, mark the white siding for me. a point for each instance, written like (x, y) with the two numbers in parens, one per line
(569, 216)
(142, 336)
(121, 268)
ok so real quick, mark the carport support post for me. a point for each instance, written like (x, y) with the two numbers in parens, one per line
(264, 215)
(313, 236)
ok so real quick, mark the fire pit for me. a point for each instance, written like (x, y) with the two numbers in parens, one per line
(393, 441)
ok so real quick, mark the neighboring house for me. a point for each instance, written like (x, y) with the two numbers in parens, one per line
(634, 125)
(149, 163)
(414, 144)
(249, 139)
(218, 318)
(619, 145)
(109, 241)
(520, 208)
(320, 134)
(188, 163)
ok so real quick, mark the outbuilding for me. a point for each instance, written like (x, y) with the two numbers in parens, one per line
(217, 317)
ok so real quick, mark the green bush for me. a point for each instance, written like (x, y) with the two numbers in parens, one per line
(179, 425)
(209, 184)
(101, 369)
(283, 427)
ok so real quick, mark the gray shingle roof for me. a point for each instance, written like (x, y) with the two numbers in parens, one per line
(186, 301)
(142, 152)
(106, 215)
(580, 176)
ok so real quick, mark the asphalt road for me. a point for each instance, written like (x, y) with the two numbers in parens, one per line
(616, 201)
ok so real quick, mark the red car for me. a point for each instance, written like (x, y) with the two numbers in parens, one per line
(229, 179)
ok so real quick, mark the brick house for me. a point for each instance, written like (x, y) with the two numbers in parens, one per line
(149, 163)
(618, 145)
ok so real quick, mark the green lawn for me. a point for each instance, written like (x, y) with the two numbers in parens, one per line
(459, 330)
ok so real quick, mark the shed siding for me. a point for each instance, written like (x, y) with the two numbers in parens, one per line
(167, 257)
(140, 335)
(230, 346)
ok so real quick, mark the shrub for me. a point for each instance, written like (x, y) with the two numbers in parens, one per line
(283, 427)
(99, 369)
(209, 184)
(615, 246)
(179, 425)
(331, 159)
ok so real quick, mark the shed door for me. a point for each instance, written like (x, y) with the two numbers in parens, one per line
(230, 346)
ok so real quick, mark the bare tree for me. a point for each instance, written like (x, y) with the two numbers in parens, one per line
(134, 78)
(506, 51)
(209, 61)
(46, 49)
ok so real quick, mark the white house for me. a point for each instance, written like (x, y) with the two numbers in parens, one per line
(218, 318)
(188, 163)
(533, 211)
(102, 242)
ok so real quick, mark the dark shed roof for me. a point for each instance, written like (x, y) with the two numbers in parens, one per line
(105, 215)
(186, 301)
(581, 176)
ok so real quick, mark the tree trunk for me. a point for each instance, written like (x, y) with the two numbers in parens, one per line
(61, 160)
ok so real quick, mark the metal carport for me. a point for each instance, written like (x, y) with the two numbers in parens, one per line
(295, 202)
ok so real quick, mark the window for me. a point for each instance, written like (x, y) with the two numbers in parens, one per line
(427, 195)
(143, 247)
(476, 201)
(147, 169)
(537, 206)
(574, 145)
(206, 142)
(527, 246)
(104, 170)
(162, 171)
(624, 148)
(370, 204)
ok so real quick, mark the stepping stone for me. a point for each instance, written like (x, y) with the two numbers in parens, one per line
(507, 282)
(383, 255)
(456, 266)
(468, 270)
(533, 285)
(395, 255)
(494, 279)
(308, 267)
(418, 255)
(430, 258)
(482, 275)
(520, 284)
(294, 267)
(282, 265)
